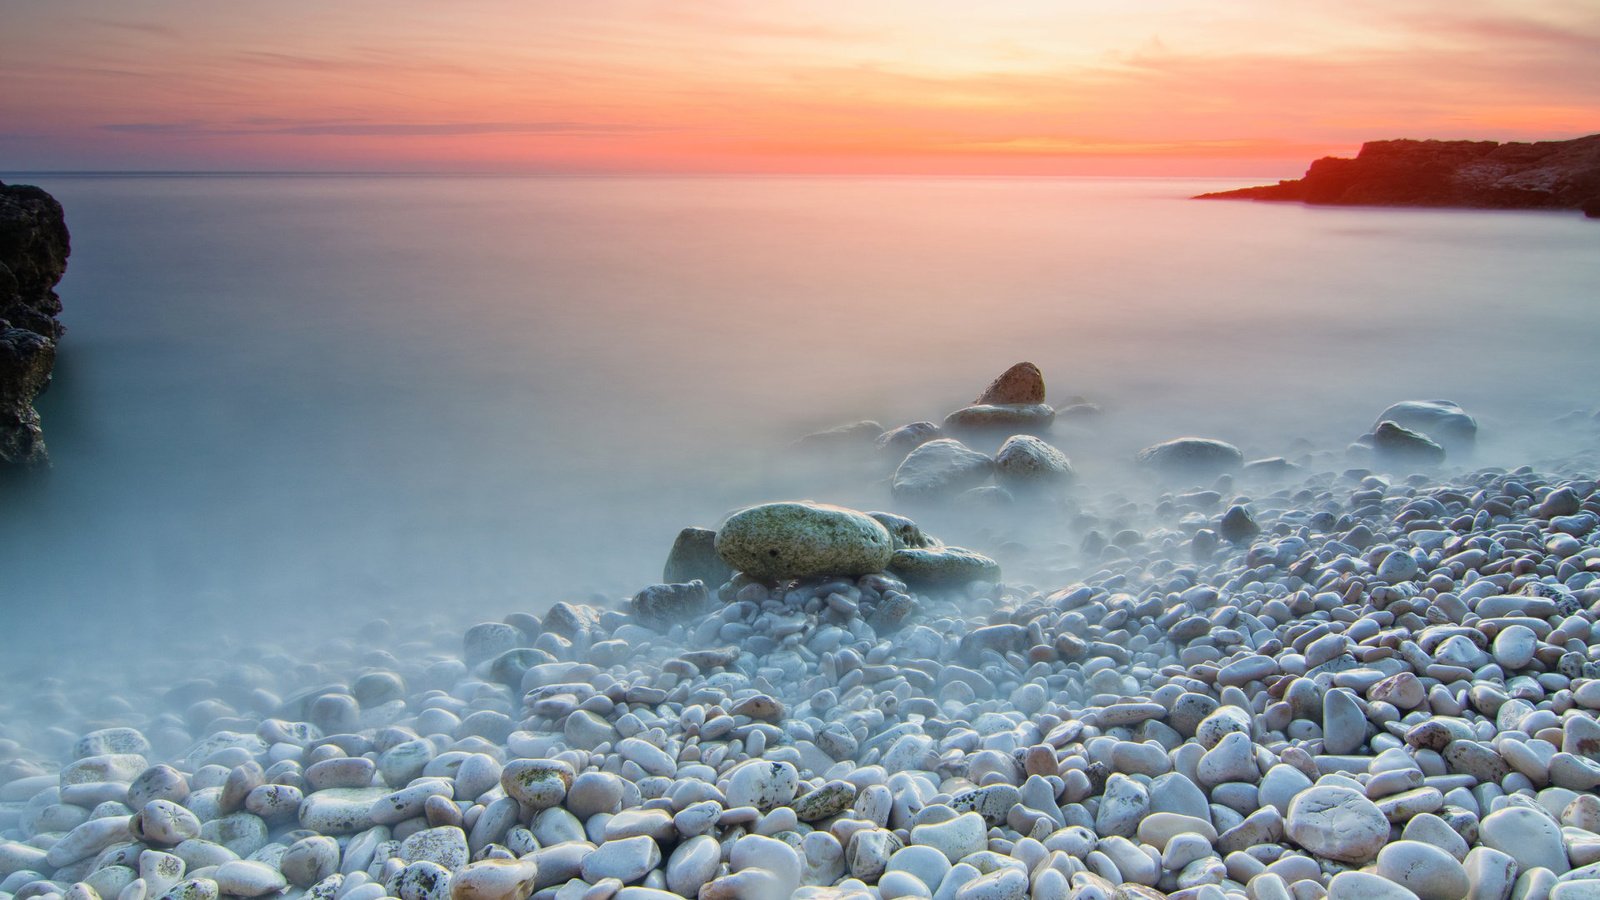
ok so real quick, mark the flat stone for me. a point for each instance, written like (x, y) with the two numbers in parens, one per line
(627, 860)
(1337, 823)
(1365, 886)
(242, 878)
(1527, 836)
(943, 567)
(1192, 456)
(955, 838)
(1425, 870)
(1028, 418)
(495, 879)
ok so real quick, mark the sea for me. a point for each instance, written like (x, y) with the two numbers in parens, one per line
(306, 403)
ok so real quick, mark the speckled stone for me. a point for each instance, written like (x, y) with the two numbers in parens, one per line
(794, 540)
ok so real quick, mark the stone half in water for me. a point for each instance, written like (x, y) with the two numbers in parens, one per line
(1026, 418)
(694, 557)
(1396, 444)
(1026, 461)
(1192, 456)
(945, 567)
(941, 468)
(853, 434)
(800, 539)
(1021, 384)
(1441, 421)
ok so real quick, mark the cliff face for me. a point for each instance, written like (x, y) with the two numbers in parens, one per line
(33, 255)
(1478, 174)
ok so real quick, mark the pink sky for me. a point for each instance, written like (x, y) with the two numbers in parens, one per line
(869, 86)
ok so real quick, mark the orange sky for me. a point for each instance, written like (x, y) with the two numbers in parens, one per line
(869, 86)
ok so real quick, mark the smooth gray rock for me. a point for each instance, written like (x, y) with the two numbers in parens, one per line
(940, 469)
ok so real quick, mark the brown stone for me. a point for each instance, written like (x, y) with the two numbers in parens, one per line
(1023, 383)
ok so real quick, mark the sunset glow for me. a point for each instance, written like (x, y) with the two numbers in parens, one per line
(886, 86)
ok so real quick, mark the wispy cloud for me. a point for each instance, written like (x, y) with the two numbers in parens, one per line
(195, 128)
(152, 29)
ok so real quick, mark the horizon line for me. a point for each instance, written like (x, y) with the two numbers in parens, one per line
(447, 173)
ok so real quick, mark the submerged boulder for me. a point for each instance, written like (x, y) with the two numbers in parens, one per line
(943, 567)
(694, 558)
(1396, 444)
(907, 438)
(1030, 418)
(1021, 384)
(941, 468)
(1026, 461)
(799, 539)
(1441, 421)
(1192, 457)
(853, 434)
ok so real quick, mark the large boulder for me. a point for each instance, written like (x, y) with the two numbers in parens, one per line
(33, 256)
(1191, 457)
(796, 539)
(1022, 384)
(1442, 421)
(941, 468)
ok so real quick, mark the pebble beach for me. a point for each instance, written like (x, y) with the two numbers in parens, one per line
(1361, 672)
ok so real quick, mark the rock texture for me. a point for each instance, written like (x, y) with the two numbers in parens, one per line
(1477, 174)
(33, 255)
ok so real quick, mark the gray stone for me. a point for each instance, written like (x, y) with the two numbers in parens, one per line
(1397, 445)
(1025, 461)
(1192, 457)
(1337, 823)
(944, 567)
(1443, 421)
(694, 558)
(940, 468)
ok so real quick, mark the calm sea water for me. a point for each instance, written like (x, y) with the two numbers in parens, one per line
(300, 400)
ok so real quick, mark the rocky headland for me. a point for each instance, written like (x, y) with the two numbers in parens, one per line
(33, 256)
(1475, 174)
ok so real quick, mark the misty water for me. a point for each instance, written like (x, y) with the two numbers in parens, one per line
(308, 401)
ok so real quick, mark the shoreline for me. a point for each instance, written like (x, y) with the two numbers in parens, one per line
(1350, 672)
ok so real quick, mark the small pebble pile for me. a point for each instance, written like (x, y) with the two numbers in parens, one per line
(1355, 686)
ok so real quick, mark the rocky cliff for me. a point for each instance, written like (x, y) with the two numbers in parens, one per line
(33, 255)
(1478, 174)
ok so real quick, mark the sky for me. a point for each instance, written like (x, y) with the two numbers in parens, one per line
(1138, 87)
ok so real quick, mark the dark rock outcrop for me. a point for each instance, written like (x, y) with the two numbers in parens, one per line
(33, 255)
(1475, 174)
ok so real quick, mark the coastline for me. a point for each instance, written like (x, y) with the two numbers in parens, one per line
(1269, 674)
